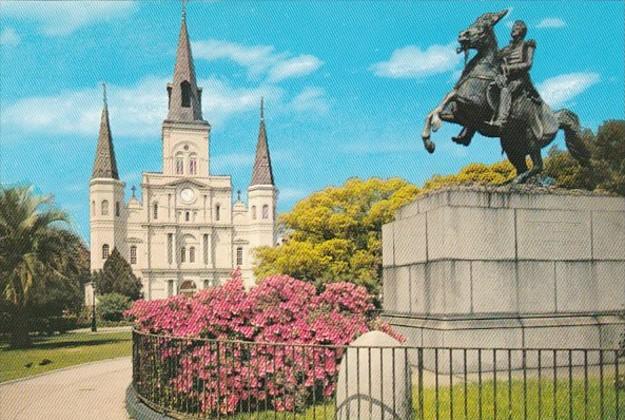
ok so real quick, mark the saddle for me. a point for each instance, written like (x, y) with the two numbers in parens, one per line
(528, 106)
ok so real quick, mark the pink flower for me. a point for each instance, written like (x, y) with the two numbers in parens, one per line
(228, 375)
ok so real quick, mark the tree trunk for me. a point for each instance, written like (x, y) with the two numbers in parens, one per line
(19, 331)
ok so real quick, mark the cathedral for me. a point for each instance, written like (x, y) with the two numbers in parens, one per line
(183, 233)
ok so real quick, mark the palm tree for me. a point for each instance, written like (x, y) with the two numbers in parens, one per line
(32, 247)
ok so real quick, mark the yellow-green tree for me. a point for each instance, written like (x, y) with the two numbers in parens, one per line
(474, 173)
(335, 234)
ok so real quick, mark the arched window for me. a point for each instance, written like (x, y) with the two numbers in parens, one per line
(117, 208)
(187, 288)
(170, 247)
(205, 248)
(179, 164)
(183, 254)
(185, 88)
(193, 164)
(253, 212)
(155, 211)
(105, 251)
(265, 211)
(133, 254)
(104, 208)
(170, 288)
(207, 283)
(93, 208)
(187, 216)
(192, 254)
(217, 212)
(239, 256)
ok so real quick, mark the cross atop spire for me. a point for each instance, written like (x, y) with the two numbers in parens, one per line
(238, 195)
(134, 189)
(105, 165)
(104, 93)
(184, 9)
(185, 98)
(262, 174)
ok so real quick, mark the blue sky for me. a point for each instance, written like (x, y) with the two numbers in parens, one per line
(346, 85)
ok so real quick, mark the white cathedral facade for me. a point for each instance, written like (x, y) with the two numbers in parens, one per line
(185, 232)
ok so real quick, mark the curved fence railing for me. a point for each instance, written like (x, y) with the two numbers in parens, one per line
(202, 378)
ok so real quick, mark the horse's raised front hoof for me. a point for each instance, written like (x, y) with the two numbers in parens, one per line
(429, 145)
(463, 140)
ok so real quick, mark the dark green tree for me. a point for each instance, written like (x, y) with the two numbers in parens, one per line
(607, 172)
(33, 251)
(609, 149)
(116, 277)
(63, 294)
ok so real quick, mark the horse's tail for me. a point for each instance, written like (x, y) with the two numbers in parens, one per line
(569, 122)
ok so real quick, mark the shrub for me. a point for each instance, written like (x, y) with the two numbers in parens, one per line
(280, 309)
(112, 306)
(116, 277)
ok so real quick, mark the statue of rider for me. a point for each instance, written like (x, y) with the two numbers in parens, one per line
(516, 61)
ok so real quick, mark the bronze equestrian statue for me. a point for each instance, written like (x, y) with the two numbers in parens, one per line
(496, 98)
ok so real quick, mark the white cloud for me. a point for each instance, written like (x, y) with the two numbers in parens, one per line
(220, 100)
(257, 58)
(413, 62)
(291, 194)
(295, 67)
(260, 60)
(57, 18)
(310, 99)
(9, 38)
(137, 111)
(559, 89)
(551, 22)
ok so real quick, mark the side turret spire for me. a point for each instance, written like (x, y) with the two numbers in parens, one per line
(105, 165)
(262, 174)
(185, 98)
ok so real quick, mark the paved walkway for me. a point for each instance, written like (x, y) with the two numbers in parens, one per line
(90, 391)
(102, 329)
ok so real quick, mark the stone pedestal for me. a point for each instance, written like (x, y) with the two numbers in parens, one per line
(495, 267)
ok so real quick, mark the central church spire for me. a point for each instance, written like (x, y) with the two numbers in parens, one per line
(185, 97)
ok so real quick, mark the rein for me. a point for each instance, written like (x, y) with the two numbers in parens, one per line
(477, 76)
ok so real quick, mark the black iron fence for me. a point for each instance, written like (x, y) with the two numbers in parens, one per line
(201, 378)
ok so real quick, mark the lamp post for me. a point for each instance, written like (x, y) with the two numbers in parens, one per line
(94, 327)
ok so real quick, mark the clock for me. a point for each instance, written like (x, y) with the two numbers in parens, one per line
(187, 195)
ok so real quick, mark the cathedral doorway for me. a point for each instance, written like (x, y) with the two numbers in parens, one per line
(187, 288)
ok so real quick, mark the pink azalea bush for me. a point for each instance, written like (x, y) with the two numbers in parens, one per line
(277, 345)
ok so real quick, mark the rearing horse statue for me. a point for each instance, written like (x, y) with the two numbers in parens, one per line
(473, 103)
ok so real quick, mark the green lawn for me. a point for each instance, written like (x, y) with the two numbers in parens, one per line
(581, 410)
(63, 350)
(585, 401)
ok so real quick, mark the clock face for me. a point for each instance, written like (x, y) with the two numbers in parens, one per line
(187, 195)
